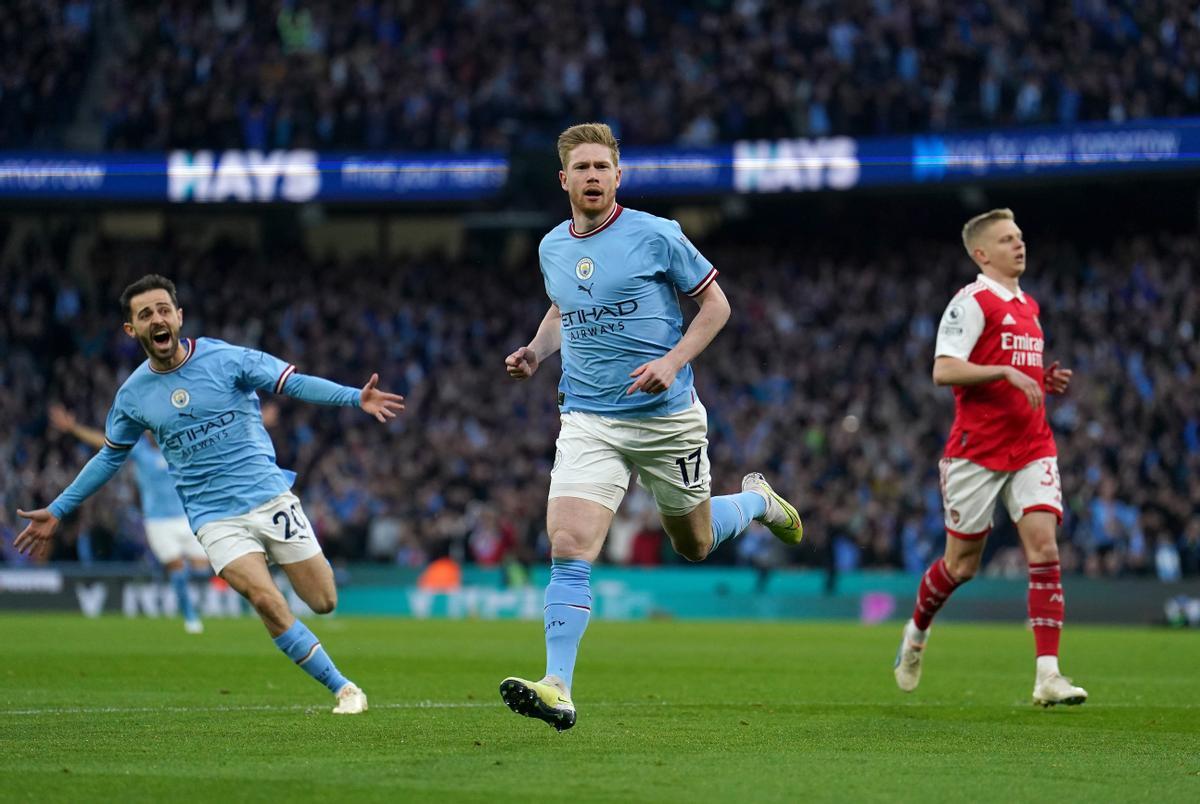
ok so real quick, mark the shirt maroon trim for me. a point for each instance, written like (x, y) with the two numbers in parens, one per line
(612, 217)
(191, 350)
(704, 283)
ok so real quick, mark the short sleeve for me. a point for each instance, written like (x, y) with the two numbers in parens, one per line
(960, 328)
(688, 269)
(122, 429)
(263, 371)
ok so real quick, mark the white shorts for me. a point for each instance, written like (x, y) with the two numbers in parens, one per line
(970, 491)
(277, 528)
(172, 539)
(594, 455)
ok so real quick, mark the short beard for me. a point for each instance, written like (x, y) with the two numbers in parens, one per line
(148, 345)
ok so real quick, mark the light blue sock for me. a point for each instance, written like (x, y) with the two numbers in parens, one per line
(179, 582)
(302, 647)
(568, 608)
(732, 514)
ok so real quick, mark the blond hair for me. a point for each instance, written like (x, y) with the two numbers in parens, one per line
(974, 227)
(587, 134)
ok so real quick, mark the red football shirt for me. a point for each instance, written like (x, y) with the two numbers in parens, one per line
(994, 426)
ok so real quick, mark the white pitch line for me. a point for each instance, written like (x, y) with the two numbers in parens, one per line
(749, 708)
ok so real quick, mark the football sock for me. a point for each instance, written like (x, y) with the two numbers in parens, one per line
(936, 586)
(568, 609)
(179, 582)
(732, 514)
(302, 647)
(1046, 606)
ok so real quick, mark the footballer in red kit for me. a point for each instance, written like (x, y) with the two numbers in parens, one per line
(990, 350)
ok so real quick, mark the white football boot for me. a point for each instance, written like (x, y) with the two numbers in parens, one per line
(907, 667)
(1055, 688)
(350, 700)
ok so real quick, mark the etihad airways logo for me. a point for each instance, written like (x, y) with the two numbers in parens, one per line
(188, 441)
(206, 176)
(598, 320)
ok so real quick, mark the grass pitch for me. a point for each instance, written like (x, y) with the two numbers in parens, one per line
(136, 710)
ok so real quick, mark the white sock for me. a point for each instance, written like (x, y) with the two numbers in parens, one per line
(916, 635)
(1047, 666)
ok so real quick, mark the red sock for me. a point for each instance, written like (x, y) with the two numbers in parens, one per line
(936, 586)
(1046, 606)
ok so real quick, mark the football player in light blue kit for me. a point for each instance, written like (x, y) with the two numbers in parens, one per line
(168, 533)
(198, 397)
(626, 397)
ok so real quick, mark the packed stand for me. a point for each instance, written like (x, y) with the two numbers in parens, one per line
(831, 398)
(45, 48)
(500, 74)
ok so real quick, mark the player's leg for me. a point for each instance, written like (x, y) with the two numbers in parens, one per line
(237, 549)
(1034, 501)
(969, 494)
(577, 528)
(168, 539)
(697, 532)
(312, 578)
(671, 453)
(587, 485)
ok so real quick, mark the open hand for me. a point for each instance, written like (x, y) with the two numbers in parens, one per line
(380, 404)
(61, 418)
(35, 539)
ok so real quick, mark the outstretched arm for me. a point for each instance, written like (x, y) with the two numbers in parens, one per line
(35, 539)
(62, 419)
(380, 404)
(657, 375)
(522, 363)
(268, 373)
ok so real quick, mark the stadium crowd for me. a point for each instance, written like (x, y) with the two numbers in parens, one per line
(45, 49)
(832, 399)
(501, 74)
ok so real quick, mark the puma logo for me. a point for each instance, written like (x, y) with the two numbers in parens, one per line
(586, 289)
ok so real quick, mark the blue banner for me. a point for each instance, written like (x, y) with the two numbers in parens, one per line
(748, 166)
(844, 163)
(287, 176)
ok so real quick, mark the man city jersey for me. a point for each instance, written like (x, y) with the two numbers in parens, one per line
(205, 416)
(617, 289)
(154, 482)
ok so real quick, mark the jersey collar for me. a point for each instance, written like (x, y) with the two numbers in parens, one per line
(1004, 293)
(612, 216)
(190, 346)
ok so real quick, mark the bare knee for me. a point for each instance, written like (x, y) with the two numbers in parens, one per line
(964, 568)
(323, 602)
(270, 605)
(692, 550)
(566, 544)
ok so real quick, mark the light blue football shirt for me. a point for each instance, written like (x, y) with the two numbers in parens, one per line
(205, 416)
(617, 289)
(155, 486)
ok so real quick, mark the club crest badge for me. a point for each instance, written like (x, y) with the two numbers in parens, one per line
(180, 398)
(585, 268)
